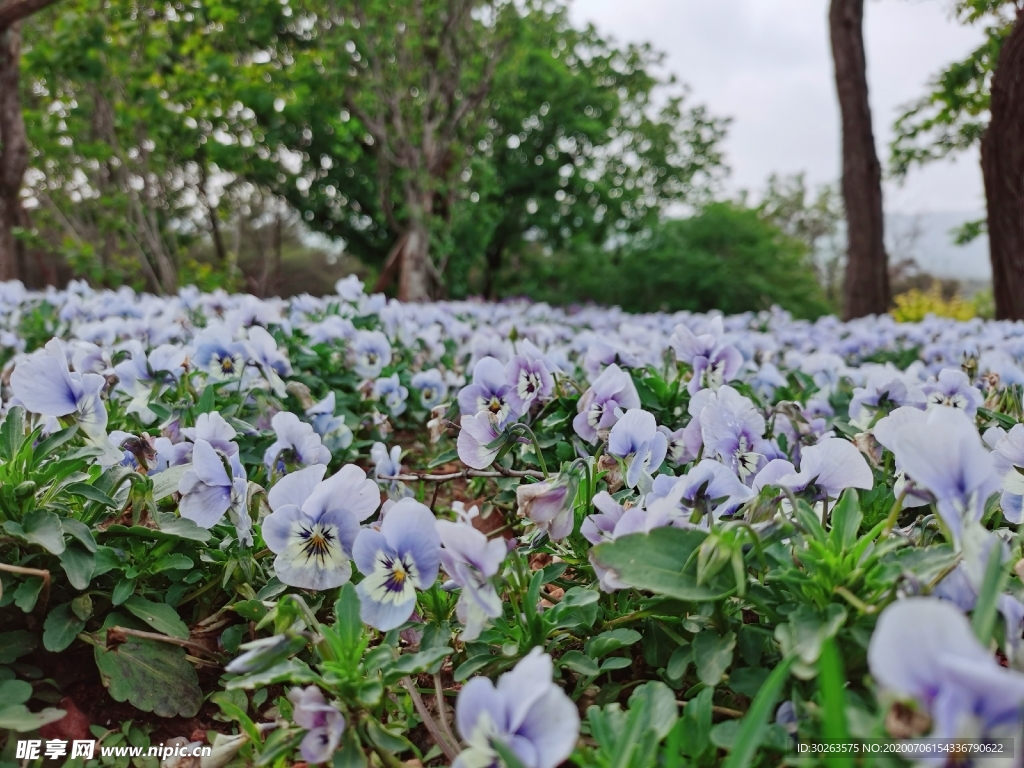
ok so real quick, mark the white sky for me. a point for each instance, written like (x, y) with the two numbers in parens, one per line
(767, 64)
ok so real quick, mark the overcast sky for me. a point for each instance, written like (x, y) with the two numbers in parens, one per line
(767, 64)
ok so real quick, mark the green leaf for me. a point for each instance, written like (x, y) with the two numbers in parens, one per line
(78, 564)
(747, 680)
(348, 625)
(290, 671)
(60, 628)
(831, 682)
(124, 589)
(696, 729)
(26, 595)
(351, 754)
(386, 739)
(415, 663)
(165, 483)
(158, 616)
(55, 441)
(806, 630)
(17, 718)
(660, 561)
(755, 722)
(151, 676)
(12, 433)
(15, 691)
(712, 655)
(846, 520)
(983, 618)
(91, 493)
(16, 644)
(610, 641)
(658, 704)
(580, 663)
(175, 561)
(41, 527)
(207, 400)
(235, 711)
(80, 531)
(473, 665)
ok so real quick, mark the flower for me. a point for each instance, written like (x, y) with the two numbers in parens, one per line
(214, 429)
(371, 351)
(332, 429)
(390, 390)
(713, 362)
(597, 409)
(948, 672)
(218, 355)
(388, 464)
(488, 392)
(885, 389)
(607, 524)
(403, 556)
(431, 386)
(709, 490)
(942, 453)
(732, 429)
(298, 439)
(208, 491)
(529, 382)
(952, 387)
(830, 467)
(323, 721)
(140, 377)
(1008, 460)
(471, 561)
(637, 443)
(44, 385)
(479, 440)
(315, 522)
(525, 711)
(549, 504)
(268, 358)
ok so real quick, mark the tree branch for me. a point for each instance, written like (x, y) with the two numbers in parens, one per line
(13, 11)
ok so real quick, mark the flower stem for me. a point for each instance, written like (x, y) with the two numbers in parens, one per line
(450, 751)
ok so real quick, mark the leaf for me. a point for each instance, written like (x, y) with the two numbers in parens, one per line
(206, 401)
(747, 680)
(696, 728)
(831, 682)
(655, 561)
(806, 630)
(983, 618)
(124, 589)
(415, 663)
(712, 655)
(80, 531)
(60, 628)
(291, 671)
(26, 595)
(87, 491)
(175, 561)
(16, 644)
(78, 564)
(385, 739)
(17, 718)
(55, 441)
(846, 520)
(754, 724)
(15, 691)
(348, 625)
(151, 676)
(610, 641)
(41, 527)
(580, 663)
(12, 433)
(658, 704)
(165, 483)
(158, 616)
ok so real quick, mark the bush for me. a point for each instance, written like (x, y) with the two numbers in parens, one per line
(726, 257)
(914, 305)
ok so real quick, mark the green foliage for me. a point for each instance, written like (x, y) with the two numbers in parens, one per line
(725, 257)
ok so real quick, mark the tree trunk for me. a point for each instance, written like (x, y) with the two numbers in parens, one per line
(13, 153)
(866, 289)
(414, 274)
(494, 259)
(1002, 163)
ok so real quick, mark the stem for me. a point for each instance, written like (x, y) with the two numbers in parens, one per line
(442, 710)
(520, 427)
(44, 593)
(118, 633)
(411, 477)
(894, 513)
(853, 600)
(449, 750)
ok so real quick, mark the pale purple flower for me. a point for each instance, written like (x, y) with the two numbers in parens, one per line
(333, 431)
(766, 380)
(268, 358)
(218, 354)
(488, 392)
(371, 352)
(479, 440)
(315, 522)
(298, 442)
(597, 409)
(829, 468)
(732, 430)
(471, 561)
(678, 452)
(549, 504)
(943, 454)
(390, 390)
(607, 524)
(529, 382)
(44, 385)
(431, 386)
(707, 492)
(947, 671)
(953, 388)
(884, 390)
(714, 371)
(324, 723)
(403, 556)
(636, 442)
(526, 711)
(142, 377)
(213, 428)
(1008, 460)
(208, 491)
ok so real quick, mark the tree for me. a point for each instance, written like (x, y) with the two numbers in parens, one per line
(979, 101)
(866, 288)
(13, 141)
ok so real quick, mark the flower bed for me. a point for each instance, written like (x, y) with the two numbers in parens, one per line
(348, 531)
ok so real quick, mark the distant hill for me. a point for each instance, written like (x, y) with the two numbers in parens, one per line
(927, 238)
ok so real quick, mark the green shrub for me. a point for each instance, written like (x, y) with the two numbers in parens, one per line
(725, 257)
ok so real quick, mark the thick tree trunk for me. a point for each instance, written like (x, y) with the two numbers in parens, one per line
(13, 152)
(1002, 163)
(494, 259)
(414, 273)
(866, 289)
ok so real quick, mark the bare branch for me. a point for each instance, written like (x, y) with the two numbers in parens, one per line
(13, 11)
